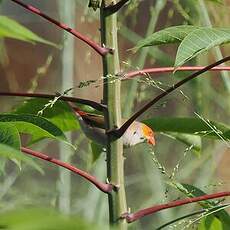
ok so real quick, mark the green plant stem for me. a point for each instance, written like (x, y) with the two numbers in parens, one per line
(132, 91)
(111, 97)
(217, 52)
(67, 14)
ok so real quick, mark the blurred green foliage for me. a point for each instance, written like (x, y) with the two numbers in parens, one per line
(145, 183)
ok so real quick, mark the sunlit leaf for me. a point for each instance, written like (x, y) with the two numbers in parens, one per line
(12, 29)
(199, 41)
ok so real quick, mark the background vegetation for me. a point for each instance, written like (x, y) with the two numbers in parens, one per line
(43, 67)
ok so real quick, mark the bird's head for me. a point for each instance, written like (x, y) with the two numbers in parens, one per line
(137, 133)
(148, 134)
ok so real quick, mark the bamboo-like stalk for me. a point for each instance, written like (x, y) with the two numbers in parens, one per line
(111, 97)
(67, 14)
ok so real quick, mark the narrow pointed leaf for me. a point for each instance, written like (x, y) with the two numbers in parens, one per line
(199, 41)
(11, 29)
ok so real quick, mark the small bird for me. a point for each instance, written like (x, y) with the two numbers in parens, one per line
(94, 128)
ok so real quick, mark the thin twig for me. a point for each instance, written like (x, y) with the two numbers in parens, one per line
(106, 188)
(131, 217)
(111, 9)
(120, 131)
(99, 49)
(132, 74)
(94, 104)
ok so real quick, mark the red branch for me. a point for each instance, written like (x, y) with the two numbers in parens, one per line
(118, 132)
(131, 217)
(106, 188)
(133, 74)
(99, 49)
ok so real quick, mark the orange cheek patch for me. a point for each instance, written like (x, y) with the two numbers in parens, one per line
(147, 131)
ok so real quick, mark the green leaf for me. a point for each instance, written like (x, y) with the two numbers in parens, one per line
(11, 29)
(211, 223)
(215, 1)
(60, 114)
(194, 40)
(12, 153)
(37, 126)
(96, 151)
(199, 41)
(9, 135)
(194, 126)
(43, 219)
(192, 141)
(192, 191)
(174, 34)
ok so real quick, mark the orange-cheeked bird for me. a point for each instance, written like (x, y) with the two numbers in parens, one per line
(94, 128)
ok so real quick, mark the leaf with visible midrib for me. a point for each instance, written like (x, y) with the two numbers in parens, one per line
(174, 34)
(199, 41)
(60, 114)
(37, 127)
(9, 135)
(10, 147)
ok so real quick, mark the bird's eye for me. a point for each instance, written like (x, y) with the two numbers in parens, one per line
(135, 132)
(142, 138)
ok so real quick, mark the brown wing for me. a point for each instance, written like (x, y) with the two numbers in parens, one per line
(94, 120)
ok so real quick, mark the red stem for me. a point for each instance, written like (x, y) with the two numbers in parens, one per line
(133, 74)
(119, 132)
(148, 211)
(106, 188)
(99, 49)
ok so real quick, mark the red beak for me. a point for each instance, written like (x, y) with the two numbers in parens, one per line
(151, 140)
